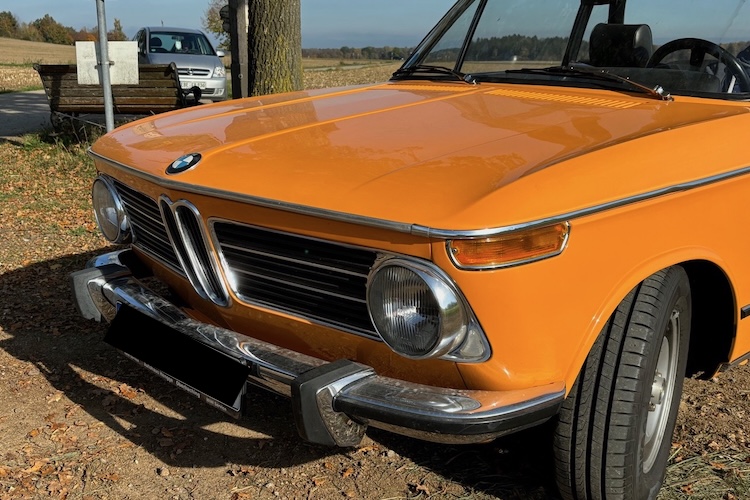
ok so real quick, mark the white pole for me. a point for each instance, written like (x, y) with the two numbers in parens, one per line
(104, 64)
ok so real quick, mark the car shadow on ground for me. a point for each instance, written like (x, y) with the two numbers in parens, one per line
(43, 328)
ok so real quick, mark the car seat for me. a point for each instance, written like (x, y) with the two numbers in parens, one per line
(621, 45)
(155, 45)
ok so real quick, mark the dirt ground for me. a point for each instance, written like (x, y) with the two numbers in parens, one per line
(80, 421)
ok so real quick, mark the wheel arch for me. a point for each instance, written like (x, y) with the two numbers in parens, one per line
(713, 325)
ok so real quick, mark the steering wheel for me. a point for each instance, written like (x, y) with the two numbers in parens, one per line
(698, 48)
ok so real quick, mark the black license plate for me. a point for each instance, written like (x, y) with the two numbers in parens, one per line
(199, 369)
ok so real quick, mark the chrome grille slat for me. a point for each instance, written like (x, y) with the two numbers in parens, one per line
(297, 273)
(148, 217)
(300, 286)
(148, 227)
(202, 265)
(287, 259)
(318, 280)
(193, 72)
(299, 248)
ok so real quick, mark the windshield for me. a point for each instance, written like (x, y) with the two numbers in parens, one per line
(180, 43)
(683, 47)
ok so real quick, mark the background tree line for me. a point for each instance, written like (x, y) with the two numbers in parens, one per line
(46, 29)
(355, 53)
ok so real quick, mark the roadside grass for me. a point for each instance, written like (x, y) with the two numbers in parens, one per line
(45, 187)
(719, 475)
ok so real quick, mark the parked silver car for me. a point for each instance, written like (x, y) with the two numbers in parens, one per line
(197, 62)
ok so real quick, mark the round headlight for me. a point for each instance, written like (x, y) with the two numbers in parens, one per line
(416, 311)
(109, 212)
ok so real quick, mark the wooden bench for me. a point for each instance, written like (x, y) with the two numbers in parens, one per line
(158, 90)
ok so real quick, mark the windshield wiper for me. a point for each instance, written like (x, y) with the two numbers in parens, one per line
(602, 74)
(426, 69)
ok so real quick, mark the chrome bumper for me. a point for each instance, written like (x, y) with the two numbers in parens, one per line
(333, 402)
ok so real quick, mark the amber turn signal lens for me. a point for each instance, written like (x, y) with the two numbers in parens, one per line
(510, 249)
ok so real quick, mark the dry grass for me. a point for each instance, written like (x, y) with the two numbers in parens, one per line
(27, 53)
(17, 57)
(18, 79)
(724, 475)
(344, 75)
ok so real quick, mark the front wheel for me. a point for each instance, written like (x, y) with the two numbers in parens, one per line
(614, 430)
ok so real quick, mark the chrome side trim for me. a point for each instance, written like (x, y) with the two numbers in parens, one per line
(416, 229)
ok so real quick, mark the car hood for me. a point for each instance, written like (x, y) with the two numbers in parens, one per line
(450, 156)
(185, 60)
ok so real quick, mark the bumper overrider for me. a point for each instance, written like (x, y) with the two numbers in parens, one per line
(333, 402)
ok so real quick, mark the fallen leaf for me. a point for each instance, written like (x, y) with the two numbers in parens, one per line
(127, 392)
(54, 398)
(317, 481)
(112, 476)
(36, 467)
(424, 488)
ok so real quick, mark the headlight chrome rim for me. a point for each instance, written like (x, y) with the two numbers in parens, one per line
(122, 223)
(456, 322)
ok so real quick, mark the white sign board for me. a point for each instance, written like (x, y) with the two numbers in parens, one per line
(122, 55)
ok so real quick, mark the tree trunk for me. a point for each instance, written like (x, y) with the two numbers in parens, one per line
(274, 46)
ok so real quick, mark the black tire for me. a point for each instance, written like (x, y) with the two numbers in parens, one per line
(613, 435)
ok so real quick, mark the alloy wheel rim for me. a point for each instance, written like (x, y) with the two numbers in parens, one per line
(662, 390)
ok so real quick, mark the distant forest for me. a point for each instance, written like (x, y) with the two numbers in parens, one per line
(46, 29)
(396, 53)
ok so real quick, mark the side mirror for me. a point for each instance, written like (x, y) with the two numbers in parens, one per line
(220, 53)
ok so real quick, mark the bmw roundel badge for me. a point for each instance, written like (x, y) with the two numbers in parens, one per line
(184, 163)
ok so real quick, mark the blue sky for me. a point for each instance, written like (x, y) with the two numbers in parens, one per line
(325, 23)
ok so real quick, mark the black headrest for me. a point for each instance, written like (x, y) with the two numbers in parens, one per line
(155, 42)
(623, 45)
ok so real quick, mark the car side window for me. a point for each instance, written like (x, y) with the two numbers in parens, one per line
(141, 38)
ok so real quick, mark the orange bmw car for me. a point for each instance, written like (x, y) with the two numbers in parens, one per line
(539, 217)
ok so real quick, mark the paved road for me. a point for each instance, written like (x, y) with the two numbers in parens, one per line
(23, 112)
